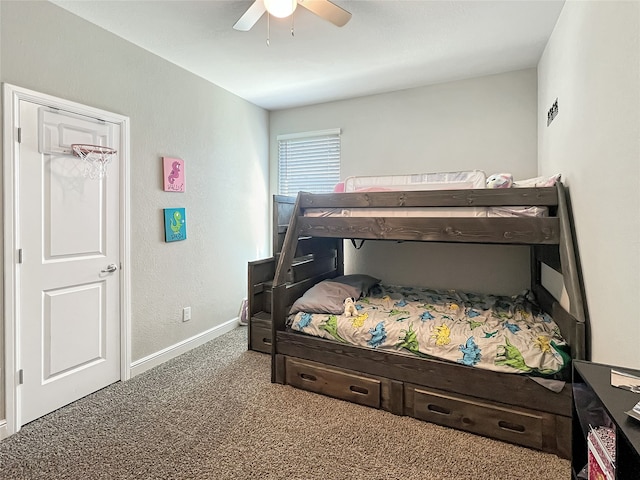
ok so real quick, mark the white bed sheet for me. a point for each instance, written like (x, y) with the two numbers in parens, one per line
(472, 179)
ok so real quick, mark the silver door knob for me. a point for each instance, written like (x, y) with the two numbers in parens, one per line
(112, 267)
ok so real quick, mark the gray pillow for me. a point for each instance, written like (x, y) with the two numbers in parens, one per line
(361, 281)
(325, 297)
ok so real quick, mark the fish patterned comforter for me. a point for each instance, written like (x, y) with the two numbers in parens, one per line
(504, 334)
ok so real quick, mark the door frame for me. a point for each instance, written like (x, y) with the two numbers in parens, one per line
(12, 95)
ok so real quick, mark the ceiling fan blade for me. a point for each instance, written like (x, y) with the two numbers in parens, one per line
(251, 16)
(327, 10)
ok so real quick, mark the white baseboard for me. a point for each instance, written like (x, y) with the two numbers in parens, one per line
(179, 348)
(4, 433)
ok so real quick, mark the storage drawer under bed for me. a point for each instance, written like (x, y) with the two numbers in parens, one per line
(355, 387)
(530, 428)
(261, 333)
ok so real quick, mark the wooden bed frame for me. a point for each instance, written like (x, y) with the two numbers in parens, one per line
(508, 407)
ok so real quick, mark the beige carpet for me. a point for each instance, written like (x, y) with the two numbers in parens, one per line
(213, 414)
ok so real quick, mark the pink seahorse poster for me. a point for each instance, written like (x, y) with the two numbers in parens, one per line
(173, 174)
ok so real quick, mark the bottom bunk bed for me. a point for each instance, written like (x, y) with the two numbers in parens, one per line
(533, 411)
(393, 366)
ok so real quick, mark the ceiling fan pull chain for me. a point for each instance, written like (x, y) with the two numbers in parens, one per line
(292, 25)
(268, 29)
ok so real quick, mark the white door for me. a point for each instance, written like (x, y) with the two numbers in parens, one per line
(68, 275)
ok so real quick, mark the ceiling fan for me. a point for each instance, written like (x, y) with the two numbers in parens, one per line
(283, 8)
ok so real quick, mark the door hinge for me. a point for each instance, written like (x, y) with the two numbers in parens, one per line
(19, 255)
(19, 135)
(20, 377)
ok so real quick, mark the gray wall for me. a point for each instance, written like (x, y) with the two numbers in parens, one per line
(486, 123)
(592, 66)
(222, 138)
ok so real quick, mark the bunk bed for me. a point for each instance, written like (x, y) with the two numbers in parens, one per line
(515, 408)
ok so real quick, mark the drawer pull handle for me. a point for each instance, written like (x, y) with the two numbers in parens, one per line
(514, 427)
(358, 389)
(267, 341)
(467, 421)
(438, 409)
(308, 377)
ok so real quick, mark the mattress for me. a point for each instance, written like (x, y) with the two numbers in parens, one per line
(499, 333)
(463, 180)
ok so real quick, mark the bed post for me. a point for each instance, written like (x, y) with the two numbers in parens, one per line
(536, 273)
(278, 314)
(568, 259)
(564, 260)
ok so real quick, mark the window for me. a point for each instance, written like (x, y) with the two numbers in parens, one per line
(309, 162)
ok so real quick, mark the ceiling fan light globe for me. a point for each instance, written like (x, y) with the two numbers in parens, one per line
(280, 8)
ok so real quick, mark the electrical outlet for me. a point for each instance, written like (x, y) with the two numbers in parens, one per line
(186, 314)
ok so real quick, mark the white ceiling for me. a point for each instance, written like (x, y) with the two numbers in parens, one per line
(388, 44)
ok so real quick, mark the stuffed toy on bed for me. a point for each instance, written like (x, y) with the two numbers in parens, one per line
(350, 308)
(500, 180)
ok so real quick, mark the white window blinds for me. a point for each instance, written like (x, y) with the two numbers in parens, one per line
(309, 162)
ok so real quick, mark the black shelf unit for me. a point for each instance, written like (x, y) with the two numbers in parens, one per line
(594, 380)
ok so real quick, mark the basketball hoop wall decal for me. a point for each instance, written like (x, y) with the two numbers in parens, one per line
(96, 157)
